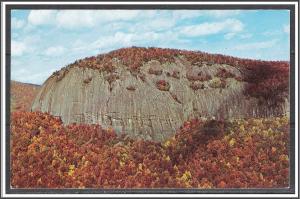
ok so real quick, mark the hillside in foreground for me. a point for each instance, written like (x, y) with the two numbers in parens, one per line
(250, 153)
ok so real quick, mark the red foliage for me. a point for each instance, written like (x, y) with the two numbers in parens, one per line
(174, 74)
(223, 73)
(196, 86)
(134, 57)
(268, 81)
(163, 85)
(155, 71)
(46, 154)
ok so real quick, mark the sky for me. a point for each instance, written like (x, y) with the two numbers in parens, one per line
(43, 41)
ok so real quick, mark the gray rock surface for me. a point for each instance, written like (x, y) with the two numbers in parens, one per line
(137, 107)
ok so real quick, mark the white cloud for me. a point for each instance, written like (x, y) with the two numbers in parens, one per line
(117, 40)
(71, 19)
(229, 35)
(17, 23)
(25, 75)
(246, 36)
(155, 24)
(227, 26)
(29, 44)
(160, 24)
(54, 51)
(74, 18)
(286, 29)
(255, 45)
(41, 17)
(106, 43)
(223, 13)
(123, 15)
(271, 33)
(17, 48)
(188, 14)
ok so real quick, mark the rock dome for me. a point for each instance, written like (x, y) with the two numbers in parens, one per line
(149, 92)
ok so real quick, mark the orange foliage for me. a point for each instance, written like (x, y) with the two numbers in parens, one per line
(202, 154)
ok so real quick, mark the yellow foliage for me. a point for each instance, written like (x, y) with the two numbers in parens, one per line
(226, 137)
(140, 166)
(55, 154)
(167, 158)
(215, 82)
(284, 120)
(34, 138)
(270, 131)
(232, 142)
(242, 128)
(284, 157)
(124, 157)
(186, 176)
(265, 133)
(175, 168)
(254, 128)
(71, 170)
(86, 163)
(43, 148)
(167, 143)
(206, 184)
(122, 163)
(277, 123)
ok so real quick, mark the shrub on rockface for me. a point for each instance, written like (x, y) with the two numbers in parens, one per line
(196, 86)
(223, 73)
(163, 85)
(217, 83)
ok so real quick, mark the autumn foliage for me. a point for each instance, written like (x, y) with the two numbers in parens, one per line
(202, 154)
(135, 57)
(163, 85)
(268, 81)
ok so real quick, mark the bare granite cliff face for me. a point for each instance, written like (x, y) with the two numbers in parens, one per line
(153, 103)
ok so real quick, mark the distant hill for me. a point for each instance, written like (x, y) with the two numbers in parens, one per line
(22, 95)
(150, 92)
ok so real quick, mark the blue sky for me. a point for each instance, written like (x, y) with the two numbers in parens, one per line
(44, 41)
